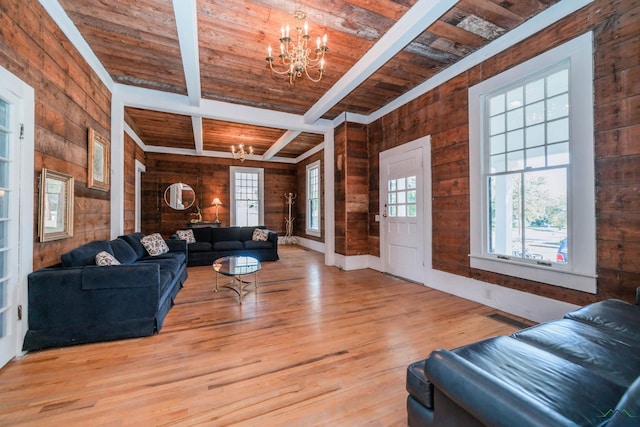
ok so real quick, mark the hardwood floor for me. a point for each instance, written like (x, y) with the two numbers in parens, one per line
(314, 346)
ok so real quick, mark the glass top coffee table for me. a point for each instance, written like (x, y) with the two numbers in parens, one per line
(236, 267)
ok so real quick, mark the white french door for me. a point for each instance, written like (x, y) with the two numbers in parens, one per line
(402, 205)
(16, 153)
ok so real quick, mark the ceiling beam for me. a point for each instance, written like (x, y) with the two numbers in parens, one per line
(411, 25)
(186, 13)
(154, 100)
(196, 123)
(282, 142)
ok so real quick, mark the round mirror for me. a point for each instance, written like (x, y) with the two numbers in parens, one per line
(179, 196)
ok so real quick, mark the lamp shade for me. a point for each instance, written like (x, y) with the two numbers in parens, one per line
(216, 202)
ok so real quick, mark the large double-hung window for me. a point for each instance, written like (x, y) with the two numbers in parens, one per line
(313, 199)
(247, 196)
(532, 170)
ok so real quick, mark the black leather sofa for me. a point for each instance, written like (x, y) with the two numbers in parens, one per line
(216, 242)
(77, 302)
(582, 370)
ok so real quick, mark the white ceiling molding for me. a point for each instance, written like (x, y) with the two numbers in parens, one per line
(129, 131)
(411, 25)
(209, 153)
(282, 142)
(310, 153)
(527, 29)
(67, 26)
(186, 13)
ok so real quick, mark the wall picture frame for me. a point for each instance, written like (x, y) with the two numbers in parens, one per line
(98, 169)
(55, 216)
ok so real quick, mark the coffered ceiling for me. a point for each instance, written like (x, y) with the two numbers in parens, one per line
(208, 53)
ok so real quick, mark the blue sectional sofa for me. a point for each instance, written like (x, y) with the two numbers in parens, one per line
(582, 370)
(78, 301)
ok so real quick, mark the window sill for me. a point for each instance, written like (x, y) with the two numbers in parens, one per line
(557, 275)
(313, 233)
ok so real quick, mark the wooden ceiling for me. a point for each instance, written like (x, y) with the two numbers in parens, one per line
(148, 44)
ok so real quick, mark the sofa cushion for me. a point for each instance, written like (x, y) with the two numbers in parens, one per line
(154, 244)
(123, 251)
(202, 234)
(260, 235)
(613, 315)
(85, 254)
(228, 245)
(226, 234)
(200, 247)
(186, 235)
(257, 244)
(104, 258)
(133, 240)
(596, 349)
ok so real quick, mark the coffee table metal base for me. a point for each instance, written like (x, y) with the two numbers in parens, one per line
(240, 286)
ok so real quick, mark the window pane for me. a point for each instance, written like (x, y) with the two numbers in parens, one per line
(515, 119)
(558, 107)
(497, 144)
(411, 196)
(4, 145)
(4, 114)
(535, 157)
(498, 163)
(558, 154)
(4, 174)
(515, 140)
(535, 113)
(392, 210)
(534, 91)
(411, 182)
(504, 213)
(392, 185)
(535, 136)
(4, 231)
(515, 98)
(392, 198)
(412, 211)
(515, 160)
(496, 105)
(558, 83)
(557, 131)
(402, 197)
(497, 124)
(401, 183)
(545, 201)
(402, 210)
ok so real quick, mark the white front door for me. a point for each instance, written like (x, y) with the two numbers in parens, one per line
(16, 153)
(402, 205)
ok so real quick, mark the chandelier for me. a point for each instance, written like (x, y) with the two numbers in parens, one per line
(296, 55)
(241, 154)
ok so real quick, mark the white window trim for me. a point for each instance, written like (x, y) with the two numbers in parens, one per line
(308, 230)
(580, 273)
(232, 179)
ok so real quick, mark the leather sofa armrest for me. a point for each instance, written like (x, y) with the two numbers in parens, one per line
(120, 276)
(488, 399)
(273, 237)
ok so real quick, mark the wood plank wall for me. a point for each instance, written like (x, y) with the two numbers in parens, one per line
(351, 189)
(69, 98)
(209, 177)
(132, 152)
(300, 206)
(442, 113)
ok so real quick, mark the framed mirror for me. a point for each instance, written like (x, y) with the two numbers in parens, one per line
(56, 206)
(179, 196)
(98, 163)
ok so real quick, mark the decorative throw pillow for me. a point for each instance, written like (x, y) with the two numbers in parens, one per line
(260, 235)
(186, 235)
(105, 258)
(154, 244)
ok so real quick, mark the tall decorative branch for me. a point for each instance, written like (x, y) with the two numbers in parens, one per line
(289, 238)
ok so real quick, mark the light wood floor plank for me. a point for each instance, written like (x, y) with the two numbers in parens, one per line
(314, 346)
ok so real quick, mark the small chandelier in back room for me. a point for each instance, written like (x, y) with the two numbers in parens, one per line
(296, 55)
